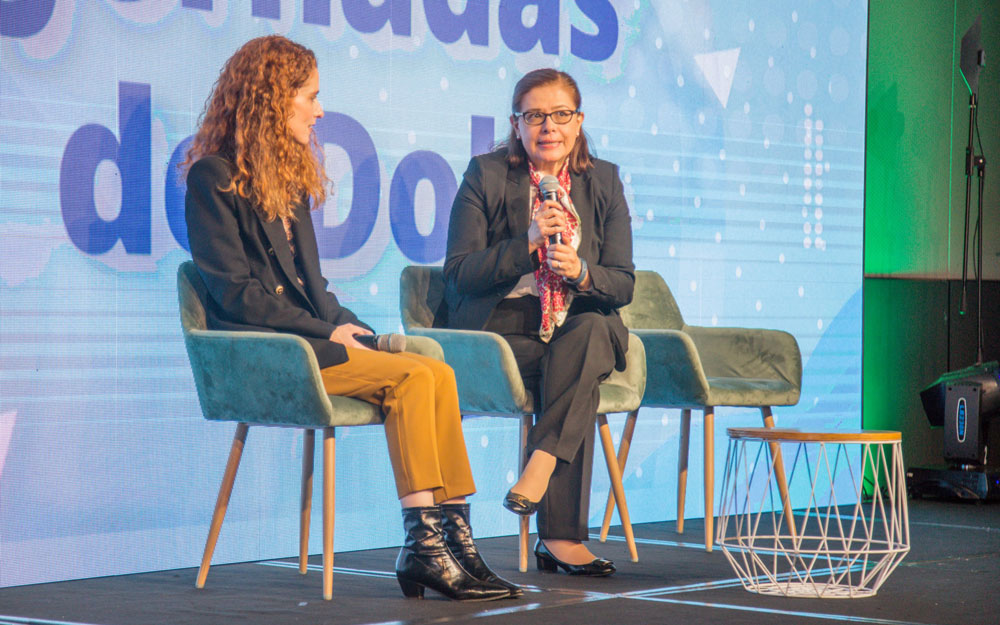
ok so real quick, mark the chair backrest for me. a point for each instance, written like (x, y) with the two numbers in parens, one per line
(191, 292)
(653, 306)
(421, 300)
(421, 297)
(245, 376)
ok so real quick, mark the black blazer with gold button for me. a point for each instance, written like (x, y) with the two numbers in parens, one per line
(249, 269)
(488, 243)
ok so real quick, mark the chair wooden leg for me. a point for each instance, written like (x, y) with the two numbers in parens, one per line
(524, 523)
(779, 472)
(614, 472)
(623, 449)
(222, 501)
(305, 499)
(329, 478)
(709, 476)
(682, 466)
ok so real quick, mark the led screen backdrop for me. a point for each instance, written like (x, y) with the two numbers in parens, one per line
(738, 128)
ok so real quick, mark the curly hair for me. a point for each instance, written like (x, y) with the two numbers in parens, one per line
(246, 120)
(580, 158)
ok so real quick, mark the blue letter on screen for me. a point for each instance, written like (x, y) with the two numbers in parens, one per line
(270, 9)
(520, 38)
(481, 137)
(415, 167)
(174, 189)
(24, 18)
(448, 26)
(599, 46)
(365, 18)
(347, 238)
(86, 148)
(316, 12)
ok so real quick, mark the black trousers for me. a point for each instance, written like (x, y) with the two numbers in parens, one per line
(564, 375)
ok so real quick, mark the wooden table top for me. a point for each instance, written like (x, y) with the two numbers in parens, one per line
(786, 435)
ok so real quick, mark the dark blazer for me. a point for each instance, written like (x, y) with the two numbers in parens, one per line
(488, 243)
(249, 269)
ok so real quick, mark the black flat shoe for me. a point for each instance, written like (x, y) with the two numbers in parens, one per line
(519, 504)
(545, 561)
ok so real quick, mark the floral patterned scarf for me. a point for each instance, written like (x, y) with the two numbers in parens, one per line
(552, 289)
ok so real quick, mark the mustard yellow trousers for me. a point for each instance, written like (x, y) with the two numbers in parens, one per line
(423, 425)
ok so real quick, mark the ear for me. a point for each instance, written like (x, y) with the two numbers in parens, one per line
(513, 125)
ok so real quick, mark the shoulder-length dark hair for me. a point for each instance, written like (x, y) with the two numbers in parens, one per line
(580, 158)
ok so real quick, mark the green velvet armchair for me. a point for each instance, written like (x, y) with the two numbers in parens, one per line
(692, 367)
(272, 379)
(489, 382)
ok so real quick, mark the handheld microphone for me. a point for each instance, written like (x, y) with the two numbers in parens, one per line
(550, 191)
(391, 343)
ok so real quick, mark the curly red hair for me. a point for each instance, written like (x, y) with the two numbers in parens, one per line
(246, 120)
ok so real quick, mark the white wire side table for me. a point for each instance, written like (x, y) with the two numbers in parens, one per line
(850, 528)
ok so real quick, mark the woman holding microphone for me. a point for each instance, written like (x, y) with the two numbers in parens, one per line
(540, 252)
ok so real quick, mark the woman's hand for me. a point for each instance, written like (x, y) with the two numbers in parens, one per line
(549, 220)
(564, 262)
(345, 335)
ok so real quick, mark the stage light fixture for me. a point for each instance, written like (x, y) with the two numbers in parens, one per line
(963, 402)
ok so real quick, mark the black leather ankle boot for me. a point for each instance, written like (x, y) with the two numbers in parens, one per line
(426, 561)
(458, 536)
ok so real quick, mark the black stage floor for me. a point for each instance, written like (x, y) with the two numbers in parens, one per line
(950, 577)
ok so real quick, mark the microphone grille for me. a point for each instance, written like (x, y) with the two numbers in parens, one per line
(549, 184)
(392, 343)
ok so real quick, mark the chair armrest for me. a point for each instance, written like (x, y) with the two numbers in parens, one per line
(424, 346)
(630, 383)
(489, 382)
(674, 374)
(256, 377)
(748, 353)
(634, 375)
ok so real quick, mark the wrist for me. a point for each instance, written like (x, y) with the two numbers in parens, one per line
(533, 245)
(582, 275)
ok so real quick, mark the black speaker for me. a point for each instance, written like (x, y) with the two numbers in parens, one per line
(964, 438)
(965, 402)
(986, 375)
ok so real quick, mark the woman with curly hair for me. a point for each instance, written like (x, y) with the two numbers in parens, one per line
(253, 170)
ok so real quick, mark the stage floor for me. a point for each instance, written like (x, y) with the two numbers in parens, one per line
(950, 577)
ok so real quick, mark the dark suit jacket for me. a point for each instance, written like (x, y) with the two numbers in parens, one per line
(488, 243)
(249, 269)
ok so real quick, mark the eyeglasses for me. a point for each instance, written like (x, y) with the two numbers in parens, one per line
(537, 118)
